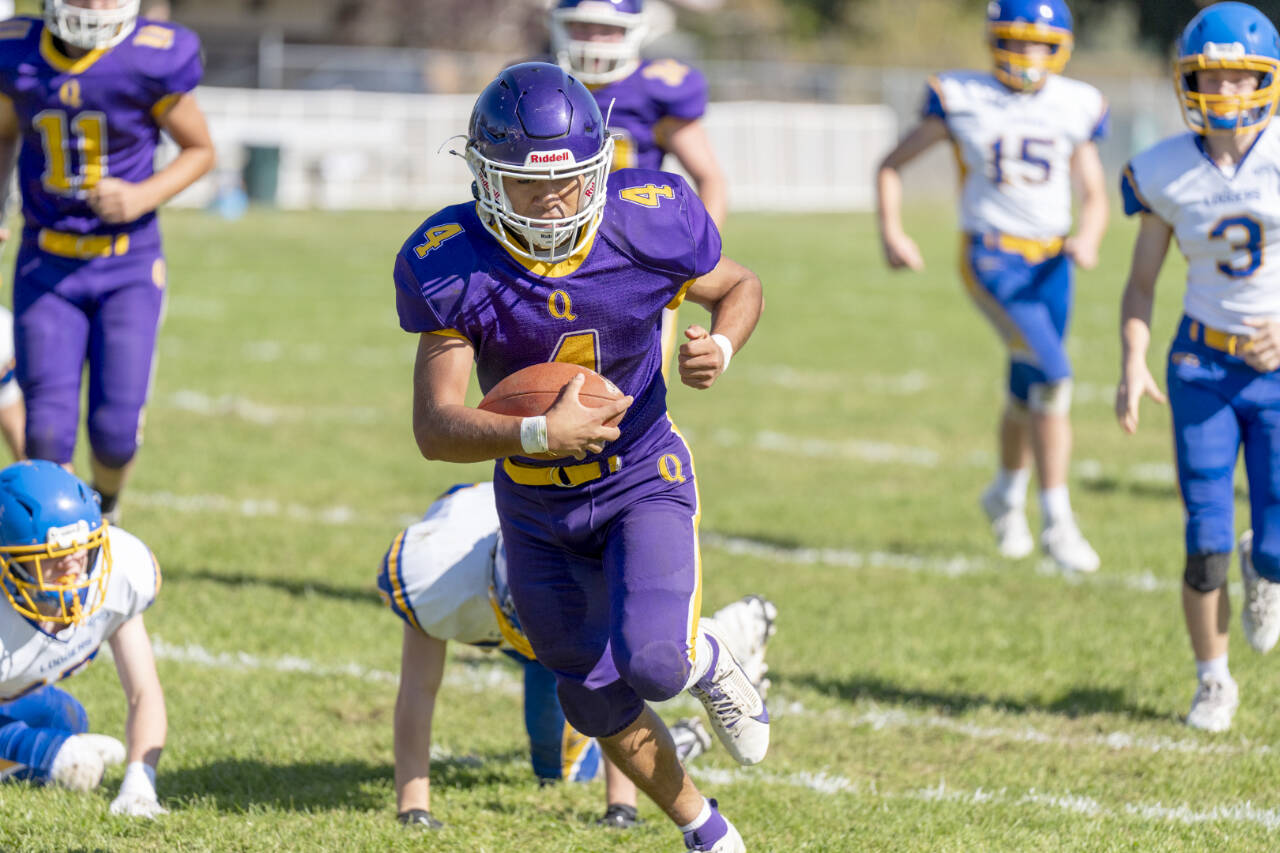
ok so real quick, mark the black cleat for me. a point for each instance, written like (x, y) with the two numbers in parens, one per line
(419, 818)
(619, 816)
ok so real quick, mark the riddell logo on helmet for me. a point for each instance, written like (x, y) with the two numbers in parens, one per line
(549, 158)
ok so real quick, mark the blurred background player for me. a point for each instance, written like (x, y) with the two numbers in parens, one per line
(12, 414)
(70, 584)
(1213, 189)
(445, 577)
(654, 106)
(1023, 134)
(86, 93)
(557, 260)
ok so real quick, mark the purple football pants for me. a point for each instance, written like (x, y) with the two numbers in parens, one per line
(606, 580)
(66, 311)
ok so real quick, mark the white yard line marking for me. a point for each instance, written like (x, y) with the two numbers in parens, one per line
(479, 672)
(829, 784)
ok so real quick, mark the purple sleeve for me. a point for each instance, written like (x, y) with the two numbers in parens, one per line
(680, 89)
(170, 57)
(933, 103)
(657, 219)
(1134, 203)
(431, 284)
(416, 313)
(705, 234)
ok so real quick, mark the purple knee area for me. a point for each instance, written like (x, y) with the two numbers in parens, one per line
(657, 671)
(600, 711)
(113, 434)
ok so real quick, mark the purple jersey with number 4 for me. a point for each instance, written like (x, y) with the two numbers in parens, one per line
(659, 89)
(600, 308)
(85, 119)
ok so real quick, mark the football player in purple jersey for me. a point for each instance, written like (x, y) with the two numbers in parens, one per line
(654, 106)
(87, 91)
(558, 260)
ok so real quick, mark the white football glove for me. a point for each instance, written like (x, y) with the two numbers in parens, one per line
(137, 797)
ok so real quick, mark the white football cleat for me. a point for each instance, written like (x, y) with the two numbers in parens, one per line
(691, 737)
(1009, 524)
(1260, 613)
(77, 765)
(738, 715)
(1214, 705)
(1065, 545)
(746, 625)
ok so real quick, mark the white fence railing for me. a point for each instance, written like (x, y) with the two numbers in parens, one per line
(346, 149)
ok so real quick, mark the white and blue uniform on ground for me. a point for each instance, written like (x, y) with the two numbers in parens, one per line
(1227, 226)
(446, 576)
(1014, 150)
(36, 717)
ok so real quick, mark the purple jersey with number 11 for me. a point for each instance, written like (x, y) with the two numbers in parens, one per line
(600, 308)
(89, 118)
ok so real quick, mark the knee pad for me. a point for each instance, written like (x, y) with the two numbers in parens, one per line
(657, 671)
(1050, 398)
(115, 436)
(1206, 572)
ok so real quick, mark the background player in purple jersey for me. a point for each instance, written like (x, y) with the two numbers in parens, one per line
(86, 93)
(559, 260)
(654, 107)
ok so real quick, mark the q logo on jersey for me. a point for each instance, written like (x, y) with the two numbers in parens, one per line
(670, 469)
(560, 306)
(69, 94)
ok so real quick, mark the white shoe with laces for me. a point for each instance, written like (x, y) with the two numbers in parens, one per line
(1066, 546)
(1009, 524)
(1214, 705)
(746, 625)
(737, 713)
(1260, 613)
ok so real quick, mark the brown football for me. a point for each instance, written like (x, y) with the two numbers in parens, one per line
(531, 390)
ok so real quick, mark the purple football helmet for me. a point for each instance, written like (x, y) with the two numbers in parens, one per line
(536, 121)
(597, 61)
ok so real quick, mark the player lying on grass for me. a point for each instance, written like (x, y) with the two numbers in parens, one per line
(72, 583)
(445, 576)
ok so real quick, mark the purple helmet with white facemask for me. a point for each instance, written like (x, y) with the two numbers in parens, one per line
(537, 122)
(598, 62)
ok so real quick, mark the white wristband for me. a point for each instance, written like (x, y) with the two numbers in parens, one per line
(726, 349)
(139, 778)
(533, 434)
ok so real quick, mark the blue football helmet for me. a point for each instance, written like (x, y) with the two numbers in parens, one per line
(1231, 36)
(91, 28)
(598, 62)
(1046, 22)
(47, 514)
(536, 121)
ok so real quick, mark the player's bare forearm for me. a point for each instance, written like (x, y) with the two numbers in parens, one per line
(13, 427)
(734, 296)
(421, 671)
(1137, 303)
(189, 166)
(453, 432)
(146, 725)
(1095, 210)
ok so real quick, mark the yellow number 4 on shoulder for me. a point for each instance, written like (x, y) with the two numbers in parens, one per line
(435, 236)
(648, 195)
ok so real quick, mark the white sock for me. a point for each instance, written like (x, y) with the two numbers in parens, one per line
(1011, 485)
(1055, 505)
(701, 659)
(703, 817)
(1215, 669)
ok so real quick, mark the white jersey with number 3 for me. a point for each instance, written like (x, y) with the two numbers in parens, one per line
(1015, 148)
(1227, 223)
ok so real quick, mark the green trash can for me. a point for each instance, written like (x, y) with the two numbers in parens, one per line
(262, 173)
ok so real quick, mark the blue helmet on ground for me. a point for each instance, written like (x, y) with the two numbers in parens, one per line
(613, 52)
(54, 557)
(538, 122)
(1228, 36)
(1038, 22)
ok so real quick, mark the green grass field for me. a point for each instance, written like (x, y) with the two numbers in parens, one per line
(928, 695)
